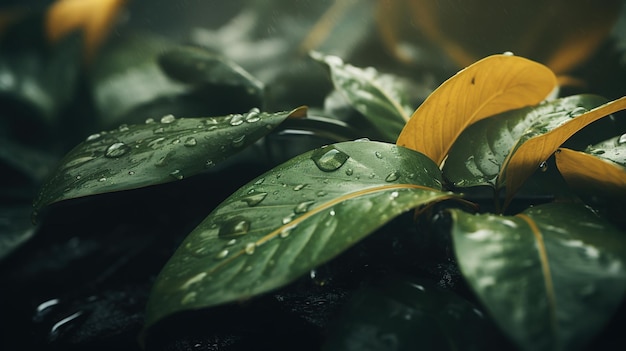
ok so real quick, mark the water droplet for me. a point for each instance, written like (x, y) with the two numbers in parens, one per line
(93, 137)
(231, 242)
(394, 195)
(155, 143)
(221, 254)
(349, 172)
(286, 231)
(249, 249)
(123, 128)
(378, 154)
(238, 141)
(329, 159)
(321, 193)
(303, 207)
(361, 139)
(159, 130)
(332, 213)
(209, 163)
(237, 120)
(103, 179)
(116, 150)
(189, 298)
(621, 140)
(288, 219)
(576, 112)
(161, 162)
(259, 181)
(54, 331)
(255, 199)
(149, 121)
(392, 177)
(253, 115)
(177, 174)
(234, 228)
(508, 53)
(78, 177)
(543, 166)
(175, 141)
(299, 187)
(168, 119)
(131, 172)
(191, 141)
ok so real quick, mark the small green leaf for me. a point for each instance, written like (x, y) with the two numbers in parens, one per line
(379, 97)
(551, 277)
(409, 314)
(156, 152)
(290, 220)
(477, 156)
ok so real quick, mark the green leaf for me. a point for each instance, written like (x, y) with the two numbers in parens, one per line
(409, 314)
(379, 97)
(290, 220)
(477, 156)
(193, 65)
(135, 156)
(551, 277)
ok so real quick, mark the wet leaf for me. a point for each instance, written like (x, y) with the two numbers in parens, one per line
(536, 145)
(194, 65)
(156, 152)
(551, 277)
(601, 168)
(290, 220)
(379, 97)
(477, 156)
(490, 86)
(409, 314)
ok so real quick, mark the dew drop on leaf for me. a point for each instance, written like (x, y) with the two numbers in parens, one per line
(159, 130)
(234, 227)
(299, 187)
(249, 249)
(93, 137)
(576, 112)
(303, 207)
(349, 172)
(329, 159)
(237, 120)
(221, 254)
(259, 181)
(392, 177)
(543, 166)
(123, 128)
(149, 120)
(116, 150)
(621, 140)
(161, 162)
(168, 119)
(238, 141)
(286, 231)
(191, 141)
(378, 154)
(253, 115)
(288, 219)
(177, 174)
(255, 199)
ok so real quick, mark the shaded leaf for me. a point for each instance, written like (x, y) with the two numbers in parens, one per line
(290, 220)
(490, 86)
(601, 168)
(477, 156)
(135, 156)
(409, 314)
(194, 65)
(379, 97)
(536, 145)
(15, 228)
(551, 276)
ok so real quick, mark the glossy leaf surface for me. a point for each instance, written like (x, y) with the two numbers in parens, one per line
(551, 276)
(409, 314)
(477, 156)
(379, 97)
(156, 152)
(490, 86)
(290, 220)
(536, 145)
(602, 167)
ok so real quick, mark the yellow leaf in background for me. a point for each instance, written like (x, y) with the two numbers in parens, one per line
(490, 86)
(94, 17)
(527, 157)
(585, 171)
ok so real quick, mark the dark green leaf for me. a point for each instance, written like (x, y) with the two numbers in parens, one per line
(379, 97)
(613, 150)
(290, 220)
(152, 153)
(410, 314)
(551, 277)
(15, 228)
(477, 156)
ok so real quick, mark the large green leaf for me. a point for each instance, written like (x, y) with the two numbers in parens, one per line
(409, 314)
(291, 219)
(550, 277)
(379, 97)
(477, 156)
(156, 152)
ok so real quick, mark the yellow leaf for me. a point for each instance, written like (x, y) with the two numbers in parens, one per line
(490, 86)
(93, 17)
(527, 157)
(586, 171)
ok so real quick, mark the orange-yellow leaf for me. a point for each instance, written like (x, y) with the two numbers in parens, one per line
(585, 171)
(528, 156)
(490, 86)
(93, 17)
